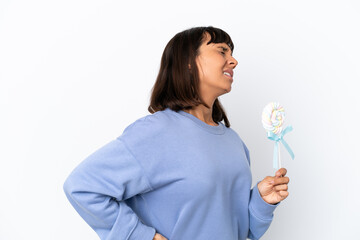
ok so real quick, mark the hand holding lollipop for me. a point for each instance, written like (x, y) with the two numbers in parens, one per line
(272, 120)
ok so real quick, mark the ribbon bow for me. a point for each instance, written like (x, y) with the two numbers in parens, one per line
(277, 138)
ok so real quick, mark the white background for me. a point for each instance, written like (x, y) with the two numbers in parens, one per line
(75, 73)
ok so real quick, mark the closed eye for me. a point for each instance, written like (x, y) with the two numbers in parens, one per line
(224, 50)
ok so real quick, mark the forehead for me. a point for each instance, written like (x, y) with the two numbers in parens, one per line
(213, 45)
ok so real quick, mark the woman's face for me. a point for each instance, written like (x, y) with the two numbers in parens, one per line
(215, 64)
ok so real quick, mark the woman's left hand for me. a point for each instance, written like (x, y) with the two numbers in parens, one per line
(274, 189)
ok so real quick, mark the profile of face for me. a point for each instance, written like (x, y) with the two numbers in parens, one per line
(216, 64)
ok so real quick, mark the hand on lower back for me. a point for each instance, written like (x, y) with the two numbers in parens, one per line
(158, 236)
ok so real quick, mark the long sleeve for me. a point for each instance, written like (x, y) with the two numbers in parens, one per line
(98, 186)
(260, 212)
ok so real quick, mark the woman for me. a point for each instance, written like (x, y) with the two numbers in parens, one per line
(179, 172)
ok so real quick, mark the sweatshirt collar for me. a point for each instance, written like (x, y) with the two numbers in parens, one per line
(220, 129)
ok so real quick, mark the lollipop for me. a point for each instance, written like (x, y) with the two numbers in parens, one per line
(272, 119)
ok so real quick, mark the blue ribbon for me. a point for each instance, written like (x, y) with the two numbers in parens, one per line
(277, 138)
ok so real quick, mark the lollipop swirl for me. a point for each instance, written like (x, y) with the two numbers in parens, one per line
(273, 117)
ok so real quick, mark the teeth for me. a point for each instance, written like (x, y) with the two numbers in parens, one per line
(226, 73)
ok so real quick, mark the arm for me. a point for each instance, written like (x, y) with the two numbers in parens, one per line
(265, 197)
(97, 187)
(260, 213)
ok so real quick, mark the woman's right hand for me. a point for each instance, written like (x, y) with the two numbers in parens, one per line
(158, 236)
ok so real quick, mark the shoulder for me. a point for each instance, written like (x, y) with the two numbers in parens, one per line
(242, 143)
(234, 134)
(149, 125)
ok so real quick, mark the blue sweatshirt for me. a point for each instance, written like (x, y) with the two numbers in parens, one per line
(170, 172)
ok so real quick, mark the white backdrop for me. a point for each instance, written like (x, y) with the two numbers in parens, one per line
(75, 73)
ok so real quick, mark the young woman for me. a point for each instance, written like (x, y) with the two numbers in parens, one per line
(179, 172)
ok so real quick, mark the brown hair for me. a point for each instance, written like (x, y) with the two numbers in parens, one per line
(177, 86)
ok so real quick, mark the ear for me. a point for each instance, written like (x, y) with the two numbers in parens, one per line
(189, 66)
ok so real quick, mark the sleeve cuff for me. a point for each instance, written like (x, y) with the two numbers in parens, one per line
(259, 207)
(141, 231)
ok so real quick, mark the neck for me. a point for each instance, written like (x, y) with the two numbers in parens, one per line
(202, 113)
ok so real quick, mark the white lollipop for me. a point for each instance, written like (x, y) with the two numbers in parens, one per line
(272, 119)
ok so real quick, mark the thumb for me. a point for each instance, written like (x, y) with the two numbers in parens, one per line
(267, 181)
(281, 172)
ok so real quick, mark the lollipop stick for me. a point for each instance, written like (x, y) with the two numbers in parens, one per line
(279, 157)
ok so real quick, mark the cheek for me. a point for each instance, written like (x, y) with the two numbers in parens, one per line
(210, 67)
(215, 67)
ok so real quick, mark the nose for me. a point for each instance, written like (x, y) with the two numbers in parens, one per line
(233, 62)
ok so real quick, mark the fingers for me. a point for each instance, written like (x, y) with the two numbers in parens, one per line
(281, 172)
(158, 236)
(279, 188)
(284, 194)
(281, 180)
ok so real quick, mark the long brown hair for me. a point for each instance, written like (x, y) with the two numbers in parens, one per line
(177, 86)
